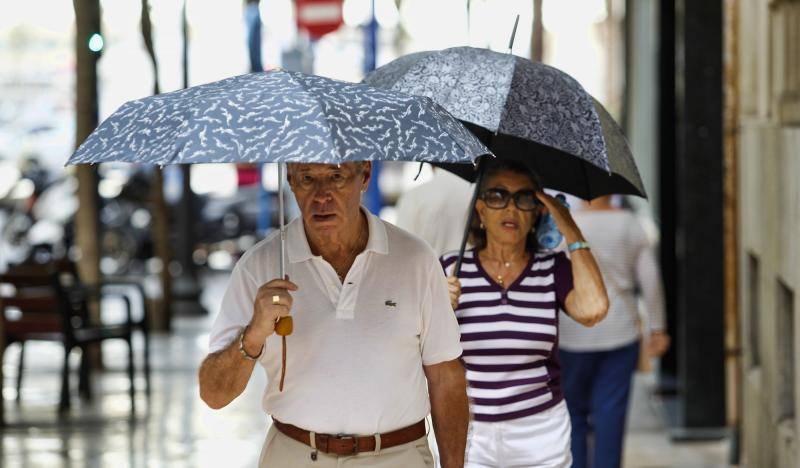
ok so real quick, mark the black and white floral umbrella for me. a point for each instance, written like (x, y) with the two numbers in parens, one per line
(523, 110)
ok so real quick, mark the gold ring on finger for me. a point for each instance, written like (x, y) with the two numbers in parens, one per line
(276, 299)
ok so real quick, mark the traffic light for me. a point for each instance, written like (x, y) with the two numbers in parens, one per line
(96, 43)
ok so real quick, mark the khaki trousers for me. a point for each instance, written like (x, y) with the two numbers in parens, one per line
(280, 451)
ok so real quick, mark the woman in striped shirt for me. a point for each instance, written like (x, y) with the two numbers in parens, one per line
(506, 299)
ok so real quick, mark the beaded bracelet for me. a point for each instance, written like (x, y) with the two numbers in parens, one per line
(578, 246)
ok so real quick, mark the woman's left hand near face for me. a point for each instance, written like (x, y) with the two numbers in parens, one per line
(560, 213)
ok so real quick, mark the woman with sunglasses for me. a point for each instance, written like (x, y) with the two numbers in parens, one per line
(506, 298)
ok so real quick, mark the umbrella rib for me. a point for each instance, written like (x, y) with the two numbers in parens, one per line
(322, 108)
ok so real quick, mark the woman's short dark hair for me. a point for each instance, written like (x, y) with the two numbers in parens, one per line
(477, 236)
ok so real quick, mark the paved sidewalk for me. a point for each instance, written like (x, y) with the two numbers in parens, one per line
(647, 443)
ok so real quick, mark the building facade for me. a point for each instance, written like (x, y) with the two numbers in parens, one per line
(768, 140)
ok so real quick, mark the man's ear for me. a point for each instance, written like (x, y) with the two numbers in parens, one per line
(366, 173)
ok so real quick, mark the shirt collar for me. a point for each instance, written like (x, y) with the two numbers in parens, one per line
(298, 250)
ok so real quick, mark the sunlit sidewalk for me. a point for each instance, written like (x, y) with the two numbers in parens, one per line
(647, 443)
(175, 429)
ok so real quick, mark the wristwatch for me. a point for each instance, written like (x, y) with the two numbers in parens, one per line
(244, 352)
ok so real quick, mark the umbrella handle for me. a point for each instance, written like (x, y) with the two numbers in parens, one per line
(470, 214)
(284, 326)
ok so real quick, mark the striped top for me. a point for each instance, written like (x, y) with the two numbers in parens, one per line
(510, 337)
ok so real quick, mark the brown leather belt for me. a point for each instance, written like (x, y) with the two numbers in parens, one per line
(346, 444)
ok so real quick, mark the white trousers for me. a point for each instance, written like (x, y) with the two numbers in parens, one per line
(540, 440)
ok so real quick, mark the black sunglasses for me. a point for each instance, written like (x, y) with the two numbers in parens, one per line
(497, 198)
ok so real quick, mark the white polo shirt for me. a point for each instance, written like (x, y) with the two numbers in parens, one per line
(354, 360)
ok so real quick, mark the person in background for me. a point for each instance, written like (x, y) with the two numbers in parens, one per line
(506, 299)
(437, 210)
(598, 363)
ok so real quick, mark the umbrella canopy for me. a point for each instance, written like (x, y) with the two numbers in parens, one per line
(279, 116)
(526, 111)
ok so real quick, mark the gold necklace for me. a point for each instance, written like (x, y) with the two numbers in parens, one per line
(507, 264)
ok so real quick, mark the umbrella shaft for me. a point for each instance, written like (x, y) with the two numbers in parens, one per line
(470, 214)
(281, 220)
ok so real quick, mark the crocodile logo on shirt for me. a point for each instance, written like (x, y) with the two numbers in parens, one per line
(390, 304)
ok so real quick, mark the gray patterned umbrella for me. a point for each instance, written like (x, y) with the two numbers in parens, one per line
(279, 116)
(523, 110)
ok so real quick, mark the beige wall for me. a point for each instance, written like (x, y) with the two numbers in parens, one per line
(769, 232)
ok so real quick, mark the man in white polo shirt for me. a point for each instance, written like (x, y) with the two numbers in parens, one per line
(375, 345)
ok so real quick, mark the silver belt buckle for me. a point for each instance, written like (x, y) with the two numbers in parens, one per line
(352, 437)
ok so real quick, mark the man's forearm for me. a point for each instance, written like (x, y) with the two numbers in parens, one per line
(450, 412)
(224, 375)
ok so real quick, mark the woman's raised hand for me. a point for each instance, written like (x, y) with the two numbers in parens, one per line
(561, 215)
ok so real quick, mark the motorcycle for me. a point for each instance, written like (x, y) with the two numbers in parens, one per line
(21, 185)
(45, 215)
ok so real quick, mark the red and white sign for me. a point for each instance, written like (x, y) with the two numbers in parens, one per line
(319, 17)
